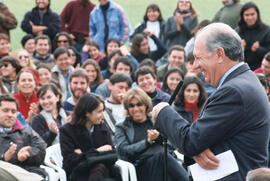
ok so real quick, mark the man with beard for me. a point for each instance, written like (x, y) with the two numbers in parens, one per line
(78, 83)
(119, 84)
(75, 20)
(41, 20)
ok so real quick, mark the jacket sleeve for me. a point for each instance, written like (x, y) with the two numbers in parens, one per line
(40, 125)
(67, 143)
(25, 25)
(264, 44)
(92, 25)
(54, 25)
(65, 16)
(7, 18)
(126, 149)
(219, 121)
(161, 49)
(38, 149)
(124, 26)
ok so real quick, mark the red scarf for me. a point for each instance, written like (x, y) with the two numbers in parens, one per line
(193, 107)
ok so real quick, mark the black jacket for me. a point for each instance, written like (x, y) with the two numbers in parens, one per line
(78, 137)
(50, 19)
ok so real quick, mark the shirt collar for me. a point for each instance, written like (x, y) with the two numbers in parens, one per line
(228, 73)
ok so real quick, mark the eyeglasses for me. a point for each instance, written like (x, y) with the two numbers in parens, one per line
(73, 54)
(62, 41)
(5, 65)
(26, 57)
(138, 104)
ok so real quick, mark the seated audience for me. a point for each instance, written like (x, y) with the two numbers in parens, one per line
(121, 65)
(138, 142)
(27, 97)
(42, 53)
(94, 74)
(171, 80)
(20, 146)
(91, 50)
(28, 43)
(10, 67)
(146, 79)
(140, 47)
(75, 57)
(79, 85)
(86, 133)
(114, 113)
(62, 70)
(51, 117)
(176, 59)
(4, 45)
(62, 39)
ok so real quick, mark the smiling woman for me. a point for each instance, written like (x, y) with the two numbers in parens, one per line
(86, 133)
(137, 140)
(51, 116)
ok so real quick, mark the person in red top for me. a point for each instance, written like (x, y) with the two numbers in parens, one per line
(26, 97)
(75, 20)
(265, 67)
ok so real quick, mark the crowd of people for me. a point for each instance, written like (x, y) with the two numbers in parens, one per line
(85, 80)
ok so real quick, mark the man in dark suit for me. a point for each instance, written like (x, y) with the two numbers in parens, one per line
(235, 117)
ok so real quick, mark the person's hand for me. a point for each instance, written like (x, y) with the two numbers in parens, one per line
(53, 127)
(178, 19)
(207, 160)
(68, 119)
(78, 151)
(10, 152)
(23, 154)
(32, 111)
(157, 109)
(124, 50)
(72, 36)
(152, 135)
(85, 48)
(147, 32)
(104, 148)
(255, 46)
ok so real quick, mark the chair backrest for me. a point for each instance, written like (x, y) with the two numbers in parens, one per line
(54, 154)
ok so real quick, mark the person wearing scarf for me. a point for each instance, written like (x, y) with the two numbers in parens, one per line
(51, 117)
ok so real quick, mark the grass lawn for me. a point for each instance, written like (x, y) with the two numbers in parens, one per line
(134, 8)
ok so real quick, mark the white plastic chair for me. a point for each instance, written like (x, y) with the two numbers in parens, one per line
(127, 170)
(54, 160)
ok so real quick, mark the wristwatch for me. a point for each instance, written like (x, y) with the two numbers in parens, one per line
(2, 157)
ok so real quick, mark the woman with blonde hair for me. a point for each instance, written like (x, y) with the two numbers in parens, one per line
(138, 142)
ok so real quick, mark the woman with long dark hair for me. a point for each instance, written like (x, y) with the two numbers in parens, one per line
(86, 133)
(52, 115)
(153, 21)
(255, 35)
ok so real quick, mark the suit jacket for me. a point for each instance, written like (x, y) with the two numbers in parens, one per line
(235, 117)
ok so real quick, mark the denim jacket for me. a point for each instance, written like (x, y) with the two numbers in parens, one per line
(118, 24)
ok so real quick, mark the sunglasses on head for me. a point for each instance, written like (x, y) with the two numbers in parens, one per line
(138, 104)
(25, 56)
(62, 41)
